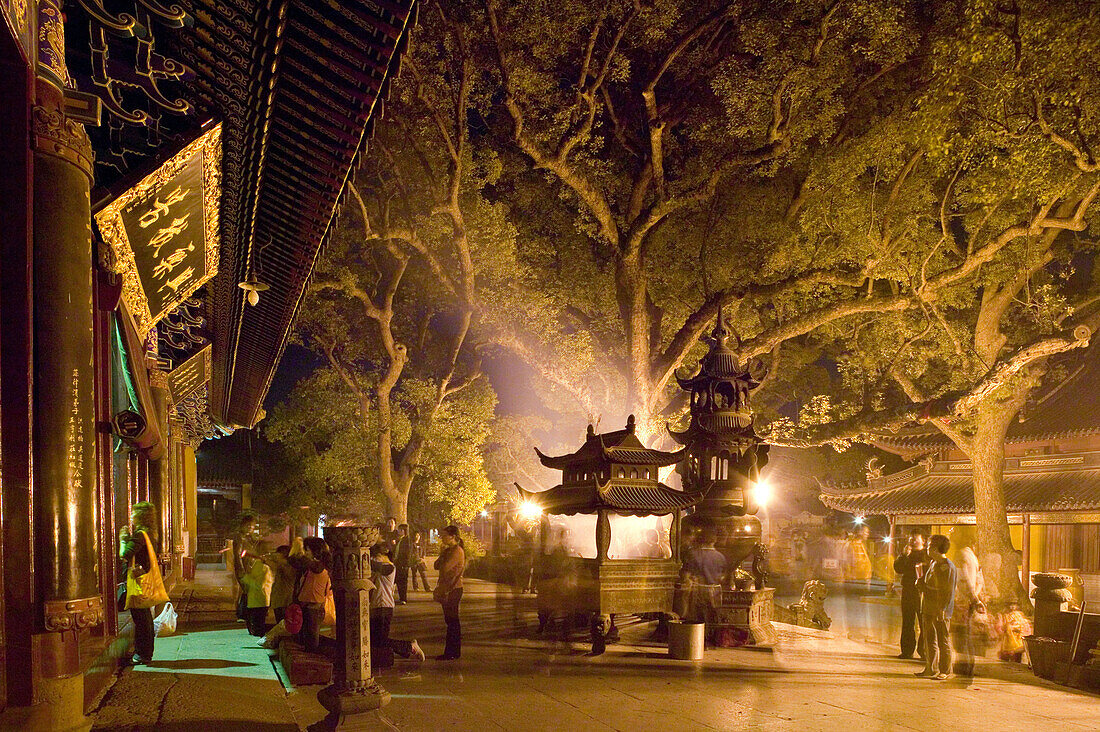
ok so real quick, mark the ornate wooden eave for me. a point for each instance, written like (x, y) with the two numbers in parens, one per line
(296, 85)
(620, 447)
(1032, 484)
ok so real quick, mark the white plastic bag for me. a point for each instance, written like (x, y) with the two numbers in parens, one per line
(165, 623)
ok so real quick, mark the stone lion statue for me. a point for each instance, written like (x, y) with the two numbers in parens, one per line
(809, 611)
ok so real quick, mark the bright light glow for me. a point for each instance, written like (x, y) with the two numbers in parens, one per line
(886, 540)
(859, 521)
(484, 513)
(762, 493)
(530, 510)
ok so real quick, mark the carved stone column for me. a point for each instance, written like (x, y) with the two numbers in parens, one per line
(64, 516)
(354, 690)
(65, 520)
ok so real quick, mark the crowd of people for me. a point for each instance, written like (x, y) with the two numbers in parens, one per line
(944, 616)
(292, 583)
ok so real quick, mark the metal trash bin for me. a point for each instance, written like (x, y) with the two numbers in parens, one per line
(685, 640)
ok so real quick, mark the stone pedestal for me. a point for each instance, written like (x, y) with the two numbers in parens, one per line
(353, 690)
(744, 618)
(1051, 595)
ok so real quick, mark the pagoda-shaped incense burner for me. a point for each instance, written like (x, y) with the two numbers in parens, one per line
(609, 531)
(723, 460)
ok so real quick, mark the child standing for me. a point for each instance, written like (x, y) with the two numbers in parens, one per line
(1014, 626)
(257, 583)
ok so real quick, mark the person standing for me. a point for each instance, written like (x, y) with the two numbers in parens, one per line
(244, 541)
(421, 566)
(283, 578)
(702, 576)
(139, 545)
(937, 605)
(402, 560)
(389, 533)
(448, 588)
(381, 607)
(313, 564)
(909, 567)
(257, 582)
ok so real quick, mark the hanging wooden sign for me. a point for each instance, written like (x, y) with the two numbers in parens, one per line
(164, 230)
(186, 378)
(19, 15)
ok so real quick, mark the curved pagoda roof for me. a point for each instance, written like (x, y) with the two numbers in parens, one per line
(621, 447)
(711, 421)
(626, 497)
(1032, 484)
(721, 362)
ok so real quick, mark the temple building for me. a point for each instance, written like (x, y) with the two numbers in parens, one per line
(170, 173)
(1051, 480)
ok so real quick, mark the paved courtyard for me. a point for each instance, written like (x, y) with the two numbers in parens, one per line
(212, 676)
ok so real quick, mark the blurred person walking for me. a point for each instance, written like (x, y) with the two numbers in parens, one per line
(702, 576)
(937, 606)
(244, 541)
(909, 568)
(402, 561)
(139, 545)
(420, 550)
(257, 582)
(448, 588)
(283, 578)
(969, 610)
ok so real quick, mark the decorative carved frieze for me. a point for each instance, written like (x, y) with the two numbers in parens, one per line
(58, 135)
(78, 614)
(351, 551)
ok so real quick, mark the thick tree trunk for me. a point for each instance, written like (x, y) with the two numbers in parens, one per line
(987, 456)
(630, 287)
(397, 499)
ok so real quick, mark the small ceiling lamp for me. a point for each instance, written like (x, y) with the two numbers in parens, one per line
(252, 284)
(253, 287)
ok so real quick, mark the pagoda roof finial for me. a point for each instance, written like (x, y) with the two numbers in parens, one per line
(722, 332)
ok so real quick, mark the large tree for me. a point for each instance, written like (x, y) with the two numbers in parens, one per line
(894, 190)
(392, 303)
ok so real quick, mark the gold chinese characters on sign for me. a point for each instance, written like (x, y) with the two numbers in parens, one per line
(164, 230)
(189, 375)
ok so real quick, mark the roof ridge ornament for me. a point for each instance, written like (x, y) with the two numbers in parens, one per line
(723, 332)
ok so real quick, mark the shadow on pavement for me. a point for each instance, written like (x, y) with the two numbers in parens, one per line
(220, 726)
(196, 663)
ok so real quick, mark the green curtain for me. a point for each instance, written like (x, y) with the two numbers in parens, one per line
(123, 395)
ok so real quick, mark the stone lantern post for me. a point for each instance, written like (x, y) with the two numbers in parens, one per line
(353, 690)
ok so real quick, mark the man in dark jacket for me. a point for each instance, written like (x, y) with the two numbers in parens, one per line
(937, 605)
(402, 559)
(909, 567)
